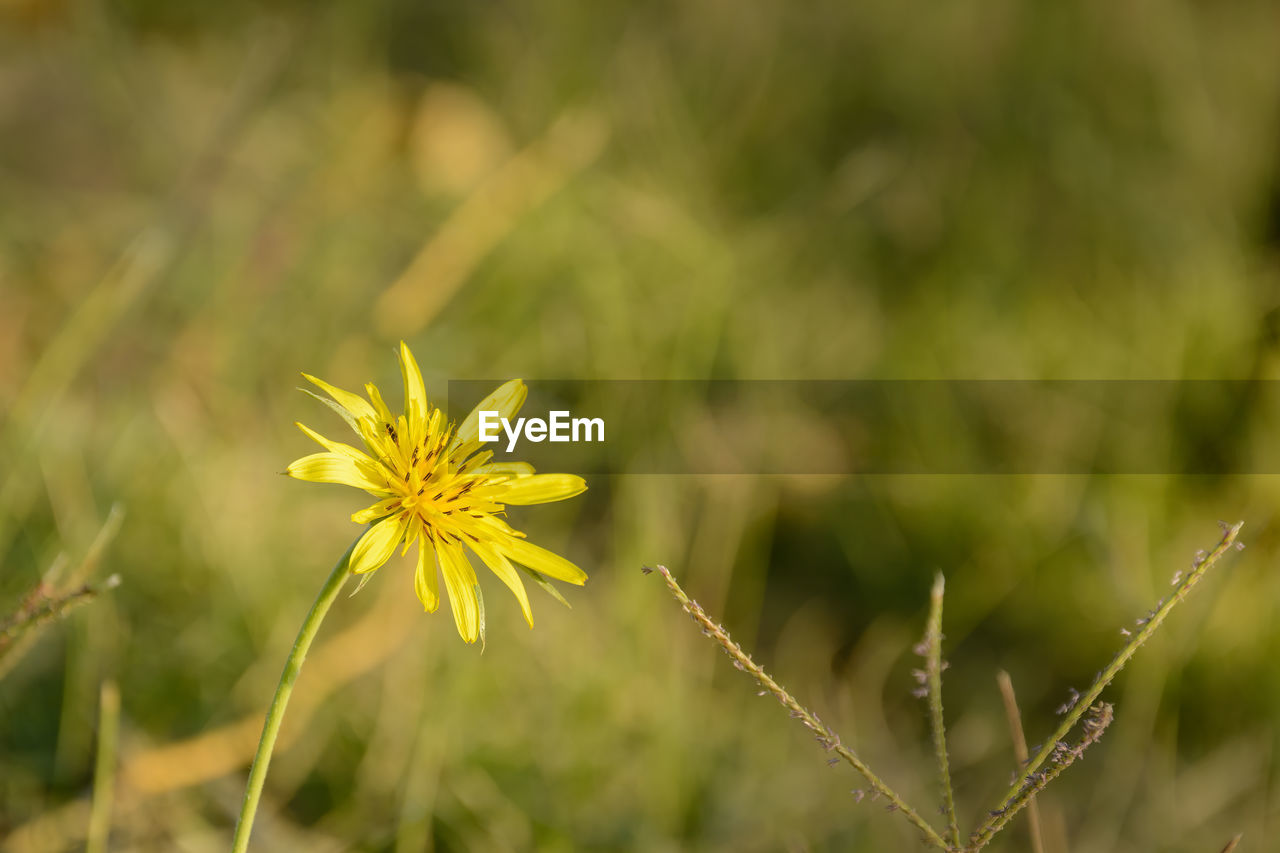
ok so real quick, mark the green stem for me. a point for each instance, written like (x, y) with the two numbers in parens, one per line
(104, 768)
(1084, 703)
(275, 713)
(933, 676)
(825, 736)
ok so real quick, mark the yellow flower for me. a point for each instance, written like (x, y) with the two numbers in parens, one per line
(436, 486)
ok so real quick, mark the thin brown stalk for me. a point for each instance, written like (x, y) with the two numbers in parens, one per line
(1021, 753)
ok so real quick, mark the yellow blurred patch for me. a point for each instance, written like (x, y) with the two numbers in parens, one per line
(455, 141)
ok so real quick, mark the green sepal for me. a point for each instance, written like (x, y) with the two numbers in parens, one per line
(545, 584)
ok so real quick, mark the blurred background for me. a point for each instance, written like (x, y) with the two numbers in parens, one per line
(202, 200)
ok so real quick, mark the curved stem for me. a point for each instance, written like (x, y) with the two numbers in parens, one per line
(275, 713)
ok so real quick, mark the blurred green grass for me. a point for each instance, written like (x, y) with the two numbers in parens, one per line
(202, 200)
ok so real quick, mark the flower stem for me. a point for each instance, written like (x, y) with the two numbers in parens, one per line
(275, 713)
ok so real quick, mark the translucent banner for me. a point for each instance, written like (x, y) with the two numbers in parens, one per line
(886, 427)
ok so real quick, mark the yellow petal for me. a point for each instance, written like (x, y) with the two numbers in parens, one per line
(543, 561)
(541, 488)
(334, 446)
(460, 581)
(376, 546)
(379, 510)
(502, 567)
(415, 392)
(381, 446)
(506, 401)
(412, 530)
(503, 469)
(424, 579)
(384, 414)
(334, 468)
(353, 403)
(495, 530)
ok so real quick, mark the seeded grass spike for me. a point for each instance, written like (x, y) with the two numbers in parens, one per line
(436, 486)
(931, 649)
(828, 739)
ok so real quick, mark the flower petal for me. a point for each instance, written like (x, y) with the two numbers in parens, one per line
(502, 567)
(506, 401)
(425, 582)
(412, 530)
(543, 561)
(503, 469)
(460, 581)
(381, 509)
(375, 396)
(415, 392)
(335, 446)
(541, 488)
(376, 546)
(334, 468)
(353, 403)
(346, 416)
